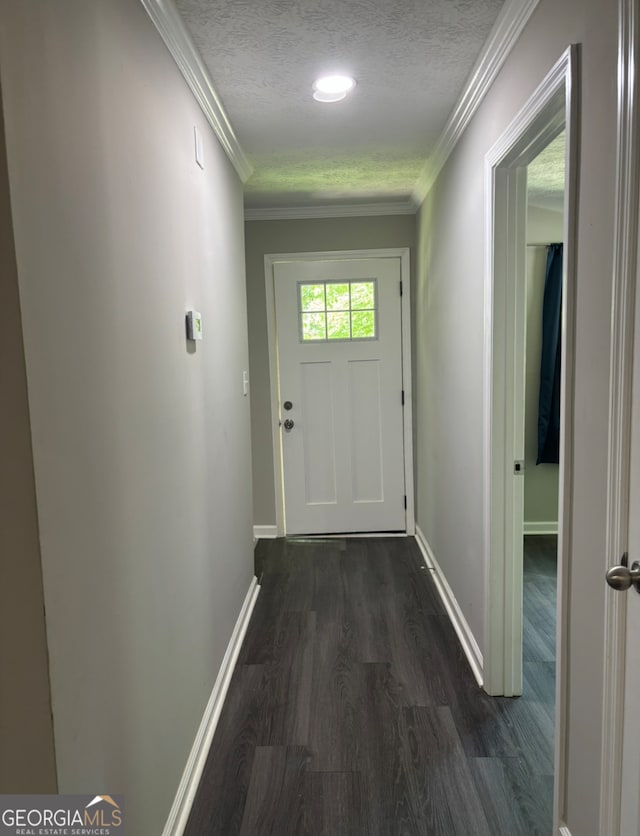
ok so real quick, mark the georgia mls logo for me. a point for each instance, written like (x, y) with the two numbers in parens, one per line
(98, 819)
(61, 815)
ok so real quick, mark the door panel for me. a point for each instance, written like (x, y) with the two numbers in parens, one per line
(339, 348)
(317, 432)
(365, 397)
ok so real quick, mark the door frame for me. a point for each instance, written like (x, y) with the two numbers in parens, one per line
(624, 282)
(552, 105)
(270, 260)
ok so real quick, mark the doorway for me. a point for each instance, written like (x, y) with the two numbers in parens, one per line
(544, 256)
(545, 225)
(339, 343)
(550, 111)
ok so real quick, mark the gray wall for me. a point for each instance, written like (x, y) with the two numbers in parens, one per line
(26, 732)
(540, 481)
(140, 445)
(296, 236)
(449, 333)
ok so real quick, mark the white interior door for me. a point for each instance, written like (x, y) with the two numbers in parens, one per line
(630, 812)
(339, 348)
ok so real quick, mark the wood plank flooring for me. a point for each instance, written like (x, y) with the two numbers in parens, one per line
(352, 710)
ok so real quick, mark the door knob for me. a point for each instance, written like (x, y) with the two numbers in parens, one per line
(621, 577)
(288, 424)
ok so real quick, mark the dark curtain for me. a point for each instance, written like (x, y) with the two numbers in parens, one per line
(549, 401)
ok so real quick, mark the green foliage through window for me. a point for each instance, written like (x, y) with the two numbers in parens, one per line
(337, 297)
(362, 324)
(337, 311)
(362, 296)
(312, 297)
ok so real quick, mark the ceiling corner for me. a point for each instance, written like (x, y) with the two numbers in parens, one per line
(506, 31)
(168, 22)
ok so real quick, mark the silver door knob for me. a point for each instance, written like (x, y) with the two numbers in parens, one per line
(288, 424)
(621, 577)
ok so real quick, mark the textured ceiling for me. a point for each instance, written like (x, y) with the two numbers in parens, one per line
(545, 176)
(410, 58)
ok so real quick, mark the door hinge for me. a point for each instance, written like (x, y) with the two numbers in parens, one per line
(400, 287)
(405, 502)
(403, 397)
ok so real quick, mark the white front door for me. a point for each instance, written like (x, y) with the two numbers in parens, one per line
(339, 349)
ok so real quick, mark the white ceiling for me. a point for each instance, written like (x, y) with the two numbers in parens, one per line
(411, 59)
(545, 176)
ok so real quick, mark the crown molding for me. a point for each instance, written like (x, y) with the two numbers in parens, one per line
(352, 210)
(506, 31)
(499, 44)
(173, 32)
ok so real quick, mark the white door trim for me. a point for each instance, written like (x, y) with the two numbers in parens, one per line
(270, 260)
(553, 104)
(625, 265)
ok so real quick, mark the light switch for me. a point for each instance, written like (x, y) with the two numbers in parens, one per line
(245, 383)
(194, 325)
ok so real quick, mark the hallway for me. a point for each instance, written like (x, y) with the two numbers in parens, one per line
(352, 710)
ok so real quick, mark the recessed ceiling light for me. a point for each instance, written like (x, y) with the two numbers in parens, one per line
(332, 88)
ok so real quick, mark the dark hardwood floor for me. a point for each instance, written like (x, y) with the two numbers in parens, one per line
(352, 710)
(539, 615)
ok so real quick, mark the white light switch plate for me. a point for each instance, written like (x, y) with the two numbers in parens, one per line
(194, 325)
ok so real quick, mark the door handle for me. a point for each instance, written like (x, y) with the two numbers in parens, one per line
(621, 577)
(288, 424)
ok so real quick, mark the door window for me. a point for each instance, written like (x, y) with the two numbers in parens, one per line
(337, 310)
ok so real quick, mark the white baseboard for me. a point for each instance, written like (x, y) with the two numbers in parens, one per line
(460, 624)
(185, 795)
(265, 532)
(369, 535)
(550, 527)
